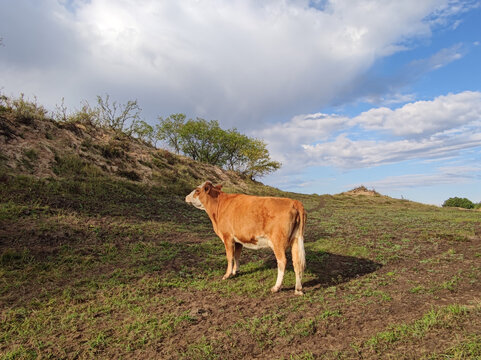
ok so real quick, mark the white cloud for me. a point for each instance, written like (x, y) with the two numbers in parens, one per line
(443, 15)
(424, 118)
(390, 99)
(285, 138)
(238, 61)
(439, 128)
(436, 61)
(346, 153)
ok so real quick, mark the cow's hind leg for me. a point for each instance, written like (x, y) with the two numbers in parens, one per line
(229, 252)
(237, 254)
(281, 267)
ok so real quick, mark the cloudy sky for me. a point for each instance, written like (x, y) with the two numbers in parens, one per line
(381, 93)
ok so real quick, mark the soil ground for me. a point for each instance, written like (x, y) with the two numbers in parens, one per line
(385, 279)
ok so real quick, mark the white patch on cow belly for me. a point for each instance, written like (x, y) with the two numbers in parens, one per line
(262, 243)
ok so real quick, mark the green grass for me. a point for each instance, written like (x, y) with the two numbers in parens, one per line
(97, 267)
(448, 318)
(467, 348)
(202, 350)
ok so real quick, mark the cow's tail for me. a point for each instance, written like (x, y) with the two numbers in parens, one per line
(299, 237)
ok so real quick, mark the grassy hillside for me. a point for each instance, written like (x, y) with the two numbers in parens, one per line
(33, 144)
(101, 258)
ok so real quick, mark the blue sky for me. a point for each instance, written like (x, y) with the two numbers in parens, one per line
(385, 94)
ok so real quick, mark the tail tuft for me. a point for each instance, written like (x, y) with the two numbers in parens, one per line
(302, 253)
(300, 237)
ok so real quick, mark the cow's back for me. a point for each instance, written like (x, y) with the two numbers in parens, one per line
(246, 216)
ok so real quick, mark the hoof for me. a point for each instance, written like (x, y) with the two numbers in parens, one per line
(298, 292)
(275, 289)
(225, 277)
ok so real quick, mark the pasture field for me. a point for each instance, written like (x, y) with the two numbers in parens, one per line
(97, 268)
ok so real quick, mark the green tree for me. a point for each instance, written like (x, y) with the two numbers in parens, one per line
(459, 202)
(145, 132)
(169, 130)
(259, 162)
(235, 147)
(207, 142)
(203, 141)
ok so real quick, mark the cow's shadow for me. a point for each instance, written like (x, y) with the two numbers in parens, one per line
(328, 269)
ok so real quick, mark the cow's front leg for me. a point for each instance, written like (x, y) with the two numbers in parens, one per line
(229, 252)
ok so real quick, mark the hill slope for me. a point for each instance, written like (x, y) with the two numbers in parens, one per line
(101, 258)
(45, 148)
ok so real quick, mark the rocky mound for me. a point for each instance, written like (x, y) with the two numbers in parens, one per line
(361, 190)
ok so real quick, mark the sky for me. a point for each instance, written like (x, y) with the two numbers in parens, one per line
(380, 93)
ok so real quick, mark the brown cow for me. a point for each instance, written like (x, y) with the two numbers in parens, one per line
(255, 222)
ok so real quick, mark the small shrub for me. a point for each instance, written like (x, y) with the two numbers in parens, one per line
(194, 174)
(168, 156)
(31, 154)
(163, 158)
(60, 113)
(72, 165)
(4, 106)
(12, 257)
(26, 111)
(459, 202)
(69, 164)
(158, 163)
(146, 163)
(112, 150)
(86, 115)
(131, 175)
(29, 158)
(87, 144)
(120, 117)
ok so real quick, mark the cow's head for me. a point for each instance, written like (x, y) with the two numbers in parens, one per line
(199, 196)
